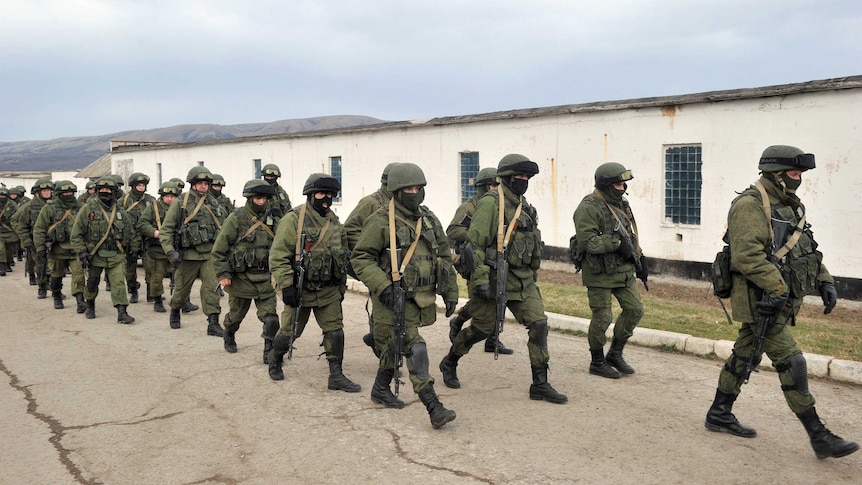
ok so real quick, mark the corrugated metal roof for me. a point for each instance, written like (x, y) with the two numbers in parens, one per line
(97, 169)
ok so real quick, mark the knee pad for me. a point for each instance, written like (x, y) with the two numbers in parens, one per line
(271, 325)
(419, 356)
(797, 368)
(538, 334)
(734, 362)
(93, 283)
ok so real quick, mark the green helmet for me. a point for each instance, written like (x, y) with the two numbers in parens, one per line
(199, 173)
(169, 188)
(90, 185)
(42, 184)
(17, 190)
(270, 169)
(118, 179)
(180, 182)
(611, 173)
(778, 158)
(108, 182)
(384, 177)
(65, 186)
(321, 182)
(218, 180)
(486, 176)
(4, 192)
(513, 164)
(405, 175)
(257, 187)
(138, 178)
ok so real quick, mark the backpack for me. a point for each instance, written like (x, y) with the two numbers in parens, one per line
(722, 281)
(575, 254)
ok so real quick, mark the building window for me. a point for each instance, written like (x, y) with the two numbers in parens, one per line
(159, 173)
(469, 170)
(335, 171)
(683, 180)
(256, 168)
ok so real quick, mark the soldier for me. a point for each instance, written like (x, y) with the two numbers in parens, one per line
(607, 239)
(156, 261)
(188, 232)
(8, 237)
(89, 190)
(52, 238)
(281, 201)
(353, 226)
(240, 258)
(486, 180)
(425, 268)
(23, 222)
(216, 191)
(493, 227)
(180, 183)
(324, 260)
(134, 202)
(771, 275)
(17, 195)
(101, 235)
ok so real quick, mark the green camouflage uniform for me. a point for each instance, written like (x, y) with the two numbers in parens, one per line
(8, 236)
(54, 227)
(156, 260)
(135, 203)
(23, 222)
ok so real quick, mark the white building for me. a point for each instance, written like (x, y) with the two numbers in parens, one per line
(689, 155)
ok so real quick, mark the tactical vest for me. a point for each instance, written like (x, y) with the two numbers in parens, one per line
(525, 246)
(326, 261)
(250, 254)
(6, 213)
(98, 226)
(425, 269)
(61, 224)
(160, 209)
(607, 263)
(203, 226)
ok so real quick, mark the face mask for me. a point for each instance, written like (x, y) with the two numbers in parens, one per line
(321, 205)
(790, 184)
(67, 198)
(107, 198)
(518, 186)
(412, 201)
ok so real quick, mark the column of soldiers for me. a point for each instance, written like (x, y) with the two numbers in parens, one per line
(398, 248)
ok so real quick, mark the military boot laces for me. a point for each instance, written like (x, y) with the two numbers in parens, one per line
(720, 418)
(213, 327)
(449, 368)
(338, 381)
(825, 443)
(438, 414)
(122, 316)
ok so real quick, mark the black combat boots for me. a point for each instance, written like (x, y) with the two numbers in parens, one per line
(189, 307)
(380, 391)
(501, 348)
(133, 296)
(540, 389)
(213, 328)
(600, 367)
(56, 286)
(230, 336)
(719, 417)
(175, 318)
(615, 357)
(150, 298)
(122, 316)
(91, 309)
(276, 356)
(455, 324)
(337, 380)
(267, 346)
(825, 444)
(439, 415)
(449, 368)
(81, 304)
(159, 304)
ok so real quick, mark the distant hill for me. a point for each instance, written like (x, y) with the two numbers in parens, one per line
(77, 152)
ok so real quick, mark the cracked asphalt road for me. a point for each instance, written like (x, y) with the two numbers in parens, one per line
(92, 401)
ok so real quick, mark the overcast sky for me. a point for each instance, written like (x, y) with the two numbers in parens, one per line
(92, 67)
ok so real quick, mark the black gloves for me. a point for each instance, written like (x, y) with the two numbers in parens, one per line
(387, 297)
(626, 249)
(450, 308)
(133, 257)
(275, 211)
(290, 296)
(483, 291)
(85, 258)
(829, 295)
(31, 249)
(772, 305)
(643, 273)
(174, 258)
(42, 256)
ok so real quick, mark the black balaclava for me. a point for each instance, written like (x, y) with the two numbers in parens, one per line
(412, 201)
(318, 204)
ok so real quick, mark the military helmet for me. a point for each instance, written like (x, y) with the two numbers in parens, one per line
(612, 173)
(169, 188)
(321, 182)
(514, 163)
(118, 179)
(4, 192)
(180, 182)
(18, 189)
(405, 175)
(42, 183)
(65, 186)
(107, 182)
(778, 158)
(138, 178)
(199, 173)
(270, 169)
(384, 177)
(257, 187)
(218, 180)
(486, 176)
(90, 185)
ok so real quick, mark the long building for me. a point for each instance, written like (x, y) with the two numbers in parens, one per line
(690, 155)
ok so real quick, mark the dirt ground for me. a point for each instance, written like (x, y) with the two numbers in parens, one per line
(91, 401)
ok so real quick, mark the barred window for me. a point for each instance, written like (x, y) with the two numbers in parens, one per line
(469, 170)
(335, 171)
(682, 173)
(256, 167)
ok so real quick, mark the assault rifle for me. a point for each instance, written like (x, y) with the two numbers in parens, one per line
(623, 233)
(399, 326)
(298, 281)
(500, 297)
(175, 242)
(764, 322)
(42, 263)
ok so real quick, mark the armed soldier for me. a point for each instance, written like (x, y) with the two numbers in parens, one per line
(23, 222)
(156, 261)
(101, 235)
(216, 191)
(270, 172)
(240, 258)
(403, 258)
(612, 259)
(504, 233)
(8, 237)
(89, 191)
(486, 180)
(134, 202)
(353, 226)
(52, 238)
(309, 264)
(188, 232)
(770, 278)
